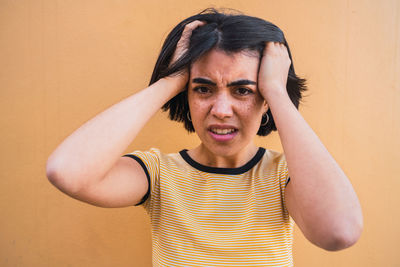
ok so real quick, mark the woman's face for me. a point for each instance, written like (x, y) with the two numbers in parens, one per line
(225, 105)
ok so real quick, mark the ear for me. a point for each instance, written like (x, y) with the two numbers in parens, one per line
(265, 106)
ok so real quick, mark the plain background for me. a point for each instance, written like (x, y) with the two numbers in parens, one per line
(63, 62)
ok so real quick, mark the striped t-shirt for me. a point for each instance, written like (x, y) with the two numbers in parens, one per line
(207, 216)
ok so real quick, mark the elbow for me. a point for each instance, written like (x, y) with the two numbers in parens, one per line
(342, 238)
(340, 242)
(51, 172)
(55, 176)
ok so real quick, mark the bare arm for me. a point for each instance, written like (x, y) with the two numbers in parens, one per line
(83, 160)
(319, 197)
(88, 166)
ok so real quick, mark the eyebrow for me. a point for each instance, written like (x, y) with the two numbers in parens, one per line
(234, 83)
(241, 82)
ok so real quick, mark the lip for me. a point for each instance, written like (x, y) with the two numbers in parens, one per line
(224, 137)
(221, 126)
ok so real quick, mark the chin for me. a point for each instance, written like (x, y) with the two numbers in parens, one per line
(223, 150)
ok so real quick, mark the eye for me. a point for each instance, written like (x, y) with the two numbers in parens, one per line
(243, 91)
(202, 89)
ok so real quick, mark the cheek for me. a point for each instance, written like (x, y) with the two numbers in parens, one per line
(198, 111)
(252, 113)
(194, 105)
(254, 106)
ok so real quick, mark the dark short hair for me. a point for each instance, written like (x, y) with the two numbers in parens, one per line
(229, 32)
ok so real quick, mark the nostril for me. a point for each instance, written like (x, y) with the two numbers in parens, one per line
(221, 111)
(222, 106)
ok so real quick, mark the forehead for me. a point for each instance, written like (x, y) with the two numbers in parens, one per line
(217, 64)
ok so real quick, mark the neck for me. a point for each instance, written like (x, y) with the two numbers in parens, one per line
(206, 157)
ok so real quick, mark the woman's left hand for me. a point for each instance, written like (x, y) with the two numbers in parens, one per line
(274, 69)
(319, 196)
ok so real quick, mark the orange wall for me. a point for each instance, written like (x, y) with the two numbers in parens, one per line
(62, 62)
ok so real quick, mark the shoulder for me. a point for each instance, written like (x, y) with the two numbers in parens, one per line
(273, 165)
(154, 156)
(273, 158)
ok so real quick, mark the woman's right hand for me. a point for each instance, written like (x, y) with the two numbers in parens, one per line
(100, 176)
(183, 45)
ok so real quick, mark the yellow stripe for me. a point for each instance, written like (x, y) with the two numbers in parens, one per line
(206, 219)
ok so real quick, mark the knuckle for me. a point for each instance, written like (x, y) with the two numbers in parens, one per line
(189, 26)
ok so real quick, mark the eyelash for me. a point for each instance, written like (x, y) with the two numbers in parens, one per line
(199, 88)
(248, 91)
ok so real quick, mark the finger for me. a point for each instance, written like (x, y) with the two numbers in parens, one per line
(183, 43)
(283, 49)
(274, 48)
(270, 48)
(187, 31)
(191, 26)
(194, 24)
(273, 43)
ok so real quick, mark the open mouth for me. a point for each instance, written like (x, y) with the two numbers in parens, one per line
(223, 131)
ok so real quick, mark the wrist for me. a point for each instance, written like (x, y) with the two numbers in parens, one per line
(275, 92)
(175, 83)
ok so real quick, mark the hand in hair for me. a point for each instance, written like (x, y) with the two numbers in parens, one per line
(183, 43)
(181, 48)
(274, 69)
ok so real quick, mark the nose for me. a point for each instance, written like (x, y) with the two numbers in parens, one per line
(222, 106)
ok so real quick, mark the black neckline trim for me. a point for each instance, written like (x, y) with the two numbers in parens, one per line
(239, 170)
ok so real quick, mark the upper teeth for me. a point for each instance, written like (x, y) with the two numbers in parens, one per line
(222, 131)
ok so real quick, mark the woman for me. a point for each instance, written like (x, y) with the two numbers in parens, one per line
(225, 202)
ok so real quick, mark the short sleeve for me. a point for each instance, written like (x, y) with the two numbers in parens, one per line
(150, 162)
(283, 174)
(283, 171)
